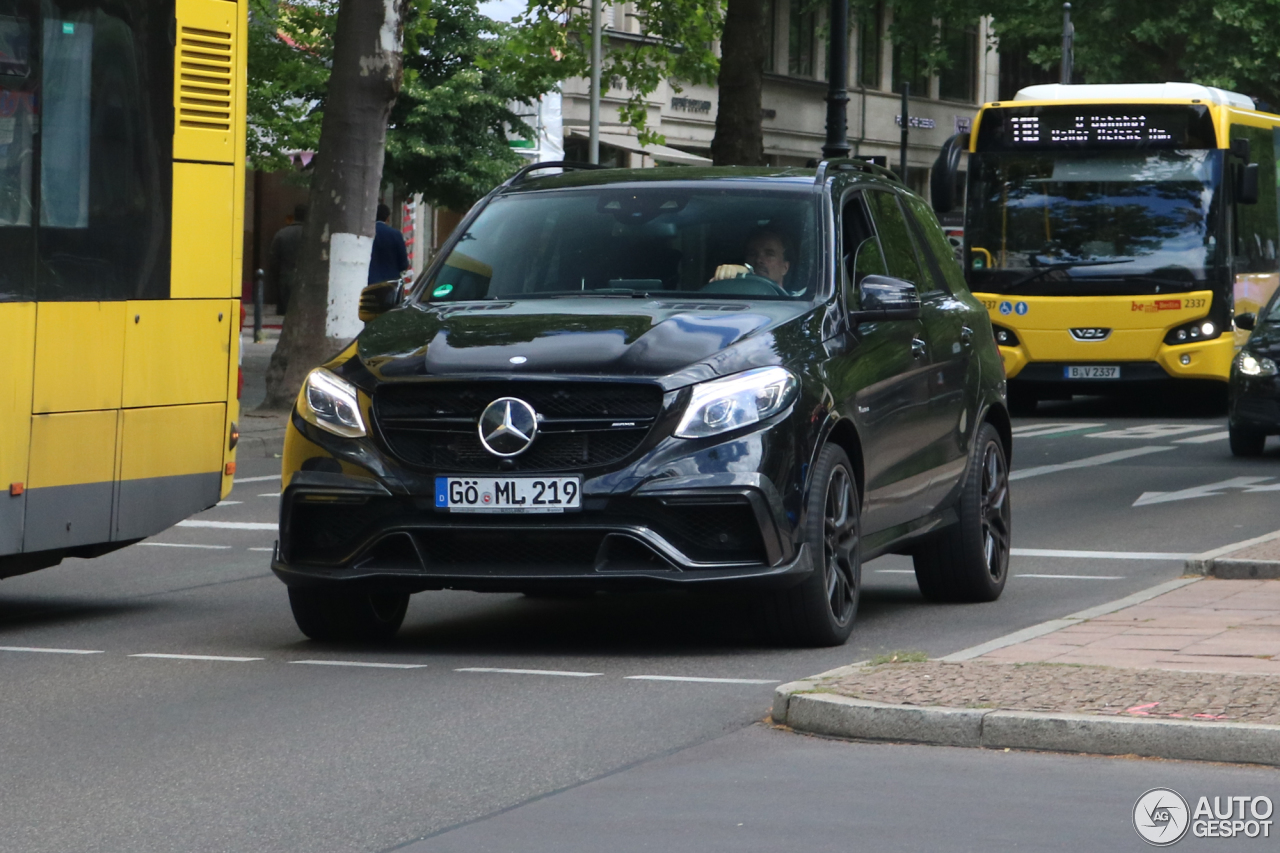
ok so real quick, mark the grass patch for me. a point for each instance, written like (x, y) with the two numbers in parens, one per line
(899, 657)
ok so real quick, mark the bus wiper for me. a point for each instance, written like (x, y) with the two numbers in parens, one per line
(1066, 265)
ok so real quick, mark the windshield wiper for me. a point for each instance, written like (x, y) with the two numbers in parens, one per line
(1048, 268)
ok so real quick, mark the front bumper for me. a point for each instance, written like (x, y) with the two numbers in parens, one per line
(1255, 402)
(678, 514)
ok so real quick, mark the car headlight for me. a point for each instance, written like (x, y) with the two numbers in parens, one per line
(737, 401)
(331, 404)
(1255, 365)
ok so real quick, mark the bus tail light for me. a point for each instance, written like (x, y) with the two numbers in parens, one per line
(240, 384)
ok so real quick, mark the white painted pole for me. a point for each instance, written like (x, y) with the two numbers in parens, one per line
(593, 150)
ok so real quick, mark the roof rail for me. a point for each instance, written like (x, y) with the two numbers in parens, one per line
(853, 164)
(519, 176)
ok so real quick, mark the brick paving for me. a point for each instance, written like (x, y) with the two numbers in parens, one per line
(1208, 651)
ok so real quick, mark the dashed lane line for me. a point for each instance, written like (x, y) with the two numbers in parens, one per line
(701, 680)
(180, 545)
(1088, 461)
(1075, 577)
(498, 669)
(270, 495)
(229, 525)
(229, 503)
(224, 658)
(1100, 555)
(51, 651)
(1204, 439)
(369, 664)
(263, 549)
(239, 480)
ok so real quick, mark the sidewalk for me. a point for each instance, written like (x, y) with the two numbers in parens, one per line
(1192, 673)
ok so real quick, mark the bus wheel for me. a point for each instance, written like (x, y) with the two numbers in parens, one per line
(1022, 403)
(1244, 441)
(969, 561)
(340, 615)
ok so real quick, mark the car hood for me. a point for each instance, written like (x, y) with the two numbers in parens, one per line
(683, 341)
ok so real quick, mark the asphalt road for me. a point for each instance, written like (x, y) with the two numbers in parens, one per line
(280, 744)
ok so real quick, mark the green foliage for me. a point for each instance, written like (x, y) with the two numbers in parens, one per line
(289, 49)
(676, 48)
(899, 657)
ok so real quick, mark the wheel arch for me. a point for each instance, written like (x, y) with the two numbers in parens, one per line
(998, 417)
(844, 435)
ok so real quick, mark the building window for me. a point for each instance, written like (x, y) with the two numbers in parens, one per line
(770, 33)
(800, 42)
(960, 82)
(909, 67)
(870, 44)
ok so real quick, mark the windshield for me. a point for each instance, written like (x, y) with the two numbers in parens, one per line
(1093, 222)
(624, 242)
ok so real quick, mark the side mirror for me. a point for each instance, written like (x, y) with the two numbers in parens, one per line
(887, 298)
(1248, 193)
(946, 169)
(1240, 148)
(1246, 321)
(378, 299)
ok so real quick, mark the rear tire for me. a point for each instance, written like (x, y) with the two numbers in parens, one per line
(969, 561)
(352, 616)
(820, 611)
(1245, 442)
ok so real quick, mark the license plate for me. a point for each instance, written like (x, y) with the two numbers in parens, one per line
(1091, 372)
(508, 494)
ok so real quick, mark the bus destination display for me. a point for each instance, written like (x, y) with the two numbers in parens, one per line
(1091, 125)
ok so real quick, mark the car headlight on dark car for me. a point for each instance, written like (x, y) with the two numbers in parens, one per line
(330, 402)
(736, 401)
(1255, 365)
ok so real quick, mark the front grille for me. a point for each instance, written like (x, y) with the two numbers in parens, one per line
(432, 425)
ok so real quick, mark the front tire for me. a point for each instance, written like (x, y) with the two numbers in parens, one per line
(1245, 442)
(969, 561)
(820, 611)
(348, 616)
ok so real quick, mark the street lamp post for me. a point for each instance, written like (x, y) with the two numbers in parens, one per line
(593, 129)
(837, 144)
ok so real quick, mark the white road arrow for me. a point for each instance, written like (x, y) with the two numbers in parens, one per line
(1246, 483)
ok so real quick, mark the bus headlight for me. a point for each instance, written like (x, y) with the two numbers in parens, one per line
(737, 401)
(331, 404)
(1193, 332)
(1254, 365)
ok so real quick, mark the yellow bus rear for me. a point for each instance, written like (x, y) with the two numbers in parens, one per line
(121, 198)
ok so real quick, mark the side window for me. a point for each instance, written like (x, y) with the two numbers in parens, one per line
(19, 88)
(105, 151)
(1257, 225)
(934, 245)
(895, 240)
(861, 249)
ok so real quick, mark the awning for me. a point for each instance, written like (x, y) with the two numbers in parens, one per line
(657, 152)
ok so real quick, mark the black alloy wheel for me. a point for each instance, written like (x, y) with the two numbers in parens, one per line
(820, 611)
(969, 561)
(348, 616)
(1245, 442)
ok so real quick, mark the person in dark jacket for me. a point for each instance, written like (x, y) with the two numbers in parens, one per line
(282, 259)
(390, 258)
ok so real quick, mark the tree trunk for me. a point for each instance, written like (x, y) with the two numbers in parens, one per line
(334, 258)
(739, 140)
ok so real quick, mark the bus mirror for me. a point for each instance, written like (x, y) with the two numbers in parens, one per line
(1246, 321)
(1248, 193)
(378, 299)
(946, 170)
(1240, 148)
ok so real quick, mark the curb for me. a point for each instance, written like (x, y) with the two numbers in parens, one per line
(1218, 564)
(798, 707)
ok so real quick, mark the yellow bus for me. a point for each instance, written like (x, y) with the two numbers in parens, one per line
(1114, 231)
(121, 191)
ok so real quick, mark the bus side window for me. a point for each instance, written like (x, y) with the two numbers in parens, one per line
(19, 89)
(1257, 225)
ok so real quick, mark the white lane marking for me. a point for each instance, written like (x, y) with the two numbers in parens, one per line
(270, 495)
(1205, 491)
(51, 651)
(369, 664)
(1075, 577)
(179, 545)
(1099, 555)
(262, 549)
(895, 571)
(1146, 432)
(527, 671)
(700, 680)
(229, 503)
(1036, 430)
(195, 657)
(229, 525)
(1204, 439)
(256, 479)
(1087, 462)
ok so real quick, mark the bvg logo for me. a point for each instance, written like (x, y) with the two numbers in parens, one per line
(1160, 816)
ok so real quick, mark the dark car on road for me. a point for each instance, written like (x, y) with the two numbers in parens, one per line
(1253, 391)
(610, 379)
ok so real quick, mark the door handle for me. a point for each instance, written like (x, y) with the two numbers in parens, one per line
(918, 348)
(966, 335)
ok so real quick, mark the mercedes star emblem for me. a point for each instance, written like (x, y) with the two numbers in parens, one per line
(508, 426)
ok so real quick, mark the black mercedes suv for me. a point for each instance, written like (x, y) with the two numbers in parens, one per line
(611, 379)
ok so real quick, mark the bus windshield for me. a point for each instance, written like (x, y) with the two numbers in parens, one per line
(1093, 222)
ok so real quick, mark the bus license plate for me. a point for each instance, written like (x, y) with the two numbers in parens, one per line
(508, 494)
(1091, 371)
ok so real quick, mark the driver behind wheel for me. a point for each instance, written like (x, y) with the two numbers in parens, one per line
(765, 255)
